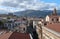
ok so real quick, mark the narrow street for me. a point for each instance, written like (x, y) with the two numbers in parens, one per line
(32, 32)
(35, 36)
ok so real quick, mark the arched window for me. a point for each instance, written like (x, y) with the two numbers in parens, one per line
(57, 19)
(52, 19)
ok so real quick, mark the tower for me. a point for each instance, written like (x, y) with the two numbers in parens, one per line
(54, 12)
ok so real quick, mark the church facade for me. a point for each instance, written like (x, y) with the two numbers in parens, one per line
(53, 18)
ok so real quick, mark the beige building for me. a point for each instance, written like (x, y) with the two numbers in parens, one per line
(21, 28)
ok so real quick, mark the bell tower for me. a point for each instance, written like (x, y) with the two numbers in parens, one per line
(54, 12)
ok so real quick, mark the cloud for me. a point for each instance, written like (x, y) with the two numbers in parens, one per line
(20, 5)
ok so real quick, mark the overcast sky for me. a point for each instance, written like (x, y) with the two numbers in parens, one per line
(20, 5)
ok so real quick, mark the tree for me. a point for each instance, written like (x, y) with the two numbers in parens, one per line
(8, 17)
(1, 23)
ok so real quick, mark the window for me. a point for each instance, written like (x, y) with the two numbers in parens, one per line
(52, 19)
(24, 29)
(57, 20)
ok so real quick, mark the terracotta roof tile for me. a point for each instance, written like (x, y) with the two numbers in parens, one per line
(52, 16)
(5, 35)
(55, 26)
(17, 35)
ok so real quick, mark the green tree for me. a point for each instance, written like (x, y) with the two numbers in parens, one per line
(1, 23)
(8, 17)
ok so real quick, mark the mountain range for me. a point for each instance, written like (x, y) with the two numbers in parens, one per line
(35, 13)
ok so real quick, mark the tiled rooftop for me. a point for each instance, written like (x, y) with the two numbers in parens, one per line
(54, 26)
(17, 35)
(5, 35)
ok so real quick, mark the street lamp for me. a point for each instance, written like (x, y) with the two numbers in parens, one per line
(40, 25)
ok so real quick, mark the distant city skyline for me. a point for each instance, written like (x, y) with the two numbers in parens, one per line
(21, 5)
